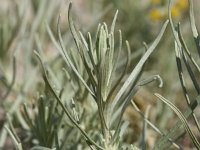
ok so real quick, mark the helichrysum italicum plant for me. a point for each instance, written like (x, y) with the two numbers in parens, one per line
(94, 96)
(99, 78)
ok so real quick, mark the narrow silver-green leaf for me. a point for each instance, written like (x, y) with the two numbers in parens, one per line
(119, 49)
(91, 52)
(101, 51)
(186, 49)
(66, 57)
(113, 23)
(144, 129)
(133, 76)
(105, 76)
(193, 26)
(18, 145)
(175, 34)
(182, 118)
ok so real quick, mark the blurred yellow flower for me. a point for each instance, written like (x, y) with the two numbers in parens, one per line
(182, 4)
(156, 14)
(175, 11)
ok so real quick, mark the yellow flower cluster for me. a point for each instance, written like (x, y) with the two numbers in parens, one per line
(159, 11)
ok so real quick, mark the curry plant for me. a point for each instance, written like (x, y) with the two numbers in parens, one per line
(92, 72)
(102, 83)
(97, 88)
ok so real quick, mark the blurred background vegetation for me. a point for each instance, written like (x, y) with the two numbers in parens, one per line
(23, 29)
